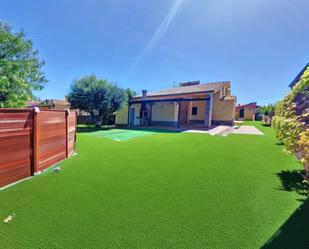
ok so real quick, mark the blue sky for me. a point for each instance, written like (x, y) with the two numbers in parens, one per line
(260, 45)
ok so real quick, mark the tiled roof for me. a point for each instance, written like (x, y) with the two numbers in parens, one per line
(252, 105)
(205, 87)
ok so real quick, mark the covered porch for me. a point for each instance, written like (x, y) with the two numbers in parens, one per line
(172, 113)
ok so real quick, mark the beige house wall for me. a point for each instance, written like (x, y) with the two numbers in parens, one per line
(223, 110)
(200, 110)
(165, 111)
(249, 113)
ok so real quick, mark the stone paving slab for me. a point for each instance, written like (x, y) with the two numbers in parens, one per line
(226, 130)
(244, 129)
(214, 131)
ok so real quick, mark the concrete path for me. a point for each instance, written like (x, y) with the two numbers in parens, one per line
(214, 131)
(245, 129)
(226, 130)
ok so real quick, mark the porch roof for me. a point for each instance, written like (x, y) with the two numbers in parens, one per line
(167, 100)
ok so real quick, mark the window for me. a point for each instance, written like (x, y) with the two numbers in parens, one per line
(194, 111)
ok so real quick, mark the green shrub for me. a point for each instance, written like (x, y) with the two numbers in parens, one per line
(291, 125)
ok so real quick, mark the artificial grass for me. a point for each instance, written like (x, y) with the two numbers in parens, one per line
(121, 134)
(167, 190)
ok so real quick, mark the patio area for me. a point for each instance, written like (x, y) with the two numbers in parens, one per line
(222, 130)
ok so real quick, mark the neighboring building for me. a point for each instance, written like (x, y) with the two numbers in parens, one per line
(54, 104)
(84, 117)
(49, 104)
(190, 104)
(246, 111)
(31, 103)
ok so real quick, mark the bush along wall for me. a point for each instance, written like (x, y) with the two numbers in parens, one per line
(291, 121)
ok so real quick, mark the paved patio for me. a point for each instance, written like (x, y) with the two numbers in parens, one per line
(226, 130)
(245, 129)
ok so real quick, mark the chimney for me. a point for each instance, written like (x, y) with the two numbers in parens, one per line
(144, 94)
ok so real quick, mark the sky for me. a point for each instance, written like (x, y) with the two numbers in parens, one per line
(259, 45)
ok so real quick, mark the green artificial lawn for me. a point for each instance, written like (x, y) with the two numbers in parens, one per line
(121, 134)
(167, 190)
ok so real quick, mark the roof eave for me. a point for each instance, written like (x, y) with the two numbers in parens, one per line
(175, 94)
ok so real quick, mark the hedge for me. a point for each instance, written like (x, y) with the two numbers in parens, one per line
(291, 120)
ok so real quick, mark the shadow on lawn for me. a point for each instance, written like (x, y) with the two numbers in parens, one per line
(294, 233)
(294, 181)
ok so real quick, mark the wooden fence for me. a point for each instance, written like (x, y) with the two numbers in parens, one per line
(32, 140)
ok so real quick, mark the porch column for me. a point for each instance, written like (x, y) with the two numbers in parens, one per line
(208, 110)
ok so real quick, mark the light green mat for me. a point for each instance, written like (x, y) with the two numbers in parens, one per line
(122, 134)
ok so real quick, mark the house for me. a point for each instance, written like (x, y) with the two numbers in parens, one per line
(191, 104)
(32, 103)
(246, 111)
(49, 104)
(55, 104)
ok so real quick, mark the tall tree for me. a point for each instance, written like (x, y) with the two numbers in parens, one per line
(20, 68)
(130, 93)
(266, 109)
(98, 97)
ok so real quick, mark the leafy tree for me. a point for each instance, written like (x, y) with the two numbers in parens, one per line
(266, 109)
(98, 97)
(20, 68)
(130, 93)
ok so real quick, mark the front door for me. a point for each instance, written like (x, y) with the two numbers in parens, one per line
(131, 116)
(241, 113)
(184, 106)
